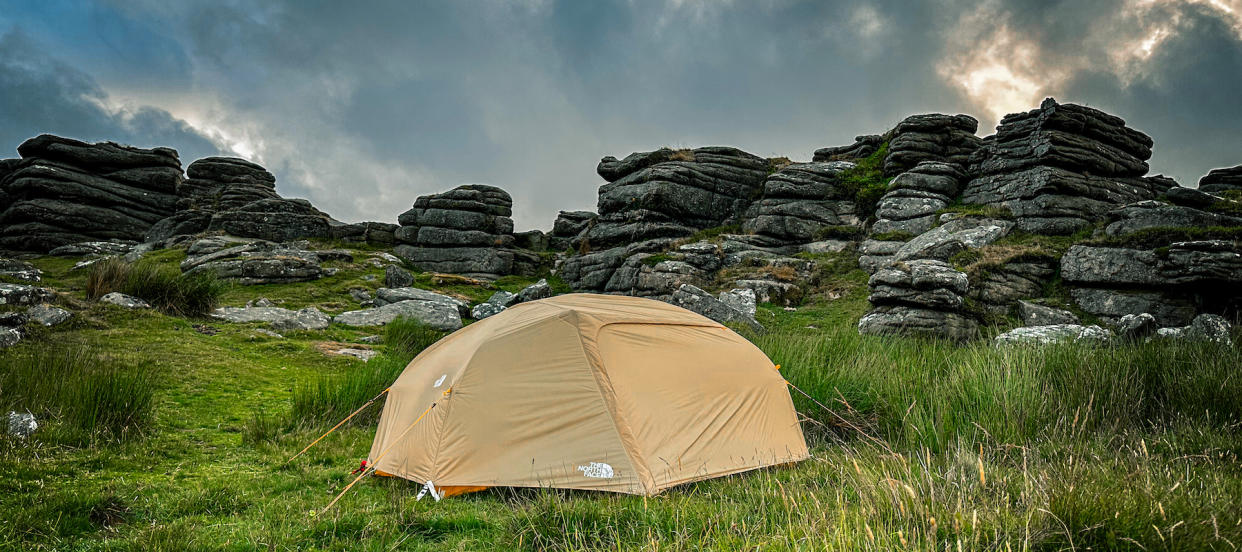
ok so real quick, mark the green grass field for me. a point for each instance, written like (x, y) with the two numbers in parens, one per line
(923, 445)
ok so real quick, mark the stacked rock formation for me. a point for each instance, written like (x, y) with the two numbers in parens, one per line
(1222, 180)
(653, 198)
(65, 191)
(931, 137)
(1062, 166)
(914, 197)
(922, 297)
(1164, 274)
(466, 230)
(801, 201)
(568, 225)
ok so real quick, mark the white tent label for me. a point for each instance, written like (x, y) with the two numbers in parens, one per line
(596, 470)
(439, 381)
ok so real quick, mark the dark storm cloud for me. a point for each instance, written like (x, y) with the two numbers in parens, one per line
(360, 109)
(41, 94)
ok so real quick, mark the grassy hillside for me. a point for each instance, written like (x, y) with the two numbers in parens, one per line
(917, 445)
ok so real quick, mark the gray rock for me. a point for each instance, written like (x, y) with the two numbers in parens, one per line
(397, 277)
(1222, 180)
(435, 314)
(534, 292)
(503, 298)
(1113, 267)
(97, 248)
(48, 315)
(1134, 327)
(19, 270)
(862, 147)
(801, 200)
(484, 310)
(13, 319)
(954, 236)
(65, 191)
(1210, 327)
(770, 291)
(1112, 304)
(1055, 333)
(361, 295)
(280, 319)
(1154, 214)
(260, 302)
(1205, 327)
(21, 294)
(9, 337)
(694, 299)
(999, 288)
(1034, 314)
(384, 296)
(741, 299)
(274, 219)
(268, 333)
(22, 424)
(124, 301)
(259, 262)
(1190, 197)
(919, 322)
(931, 137)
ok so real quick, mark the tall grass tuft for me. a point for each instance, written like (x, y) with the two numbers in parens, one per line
(105, 277)
(328, 399)
(406, 337)
(92, 394)
(165, 287)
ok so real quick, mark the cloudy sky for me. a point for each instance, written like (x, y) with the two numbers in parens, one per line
(362, 106)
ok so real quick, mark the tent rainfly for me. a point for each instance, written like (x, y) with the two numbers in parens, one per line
(598, 392)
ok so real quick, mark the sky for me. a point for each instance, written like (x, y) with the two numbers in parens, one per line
(362, 106)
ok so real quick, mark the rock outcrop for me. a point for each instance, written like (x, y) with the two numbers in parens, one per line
(65, 191)
(915, 196)
(801, 201)
(1061, 167)
(1222, 180)
(654, 198)
(569, 225)
(921, 297)
(862, 148)
(931, 137)
(259, 262)
(466, 230)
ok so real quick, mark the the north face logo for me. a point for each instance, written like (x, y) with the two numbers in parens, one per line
(596, 470)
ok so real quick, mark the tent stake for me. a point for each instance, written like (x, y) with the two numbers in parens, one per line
(371, 468)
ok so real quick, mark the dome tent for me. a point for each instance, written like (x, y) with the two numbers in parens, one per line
(598, 392)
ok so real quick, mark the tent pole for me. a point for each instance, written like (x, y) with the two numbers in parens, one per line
(339, 424)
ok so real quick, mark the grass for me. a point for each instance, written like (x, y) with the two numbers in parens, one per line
(866, 182)
(164, 287)
(82, 391)
(927, 445)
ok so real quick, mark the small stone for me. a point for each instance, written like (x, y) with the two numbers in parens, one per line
(22, 424)
(503, 298)
(1136, 326)
(397, 277)
(13, 319)
(268, 333)
(261, 302)
(125, 301)
(742, 299)
(1053, 333)
(1034, 314)
(9, 337)
(19, 270)
(371, 339)
(484, 310)
(1210, 327)
(48, 315)
(359, 294)
(535, 291)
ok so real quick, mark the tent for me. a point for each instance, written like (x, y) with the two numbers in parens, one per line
(579, 391)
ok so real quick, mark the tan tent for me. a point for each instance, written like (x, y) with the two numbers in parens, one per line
(579, 391)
